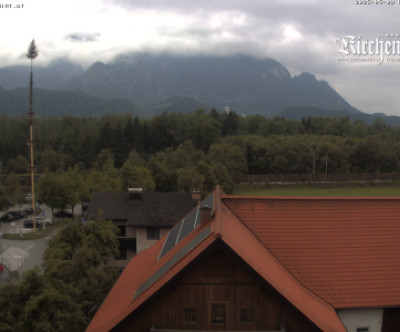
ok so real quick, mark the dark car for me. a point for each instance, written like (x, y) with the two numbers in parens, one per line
(40, 221)
(7, 217)
(62, 214)
(29, 210)
(19, 214)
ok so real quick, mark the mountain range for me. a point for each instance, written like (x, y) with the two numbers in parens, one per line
(146, 84)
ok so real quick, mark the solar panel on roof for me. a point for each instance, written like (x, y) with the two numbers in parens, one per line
(171, 239)
(185, 226)
(188, 224)
(165, 268)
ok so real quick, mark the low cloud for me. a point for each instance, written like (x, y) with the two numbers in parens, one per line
(83, 37)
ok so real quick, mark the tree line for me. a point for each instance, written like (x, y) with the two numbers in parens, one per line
(65, 293)
(176, 151)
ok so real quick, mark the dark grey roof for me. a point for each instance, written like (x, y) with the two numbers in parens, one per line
(153, 209)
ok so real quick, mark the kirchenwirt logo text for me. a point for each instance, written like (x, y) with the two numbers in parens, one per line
(381, 49)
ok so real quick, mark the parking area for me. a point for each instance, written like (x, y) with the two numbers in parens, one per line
(46, 213)
(17, 225)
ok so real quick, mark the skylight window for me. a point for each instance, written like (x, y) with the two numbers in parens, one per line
(363, 329)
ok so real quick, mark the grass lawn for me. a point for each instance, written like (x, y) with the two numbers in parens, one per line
(387, 189)
(40, 233)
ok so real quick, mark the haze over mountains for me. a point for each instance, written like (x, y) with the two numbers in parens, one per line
(147, 84)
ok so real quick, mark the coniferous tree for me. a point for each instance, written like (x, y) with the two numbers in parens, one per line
(32, 54)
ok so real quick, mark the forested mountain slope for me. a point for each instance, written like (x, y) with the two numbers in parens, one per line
(245, 84)
(58, 103)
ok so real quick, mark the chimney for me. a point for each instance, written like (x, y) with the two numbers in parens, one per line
(205, 213)
(196, 194)
(135, 193)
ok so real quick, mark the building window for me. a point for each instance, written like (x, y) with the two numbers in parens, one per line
(153, 233)
(218, 313)
(122, 230)
(189, 315)
(362, 329)
(247, 315)
(122, 254)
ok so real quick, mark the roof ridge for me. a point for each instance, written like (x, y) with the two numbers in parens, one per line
(256, 236)
(324, 198)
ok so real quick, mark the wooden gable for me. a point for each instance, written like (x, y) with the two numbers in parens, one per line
(216, 292)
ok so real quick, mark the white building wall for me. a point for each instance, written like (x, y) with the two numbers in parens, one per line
(361, 318)
(142, 243)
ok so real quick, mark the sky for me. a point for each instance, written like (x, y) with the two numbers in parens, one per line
(354, 45)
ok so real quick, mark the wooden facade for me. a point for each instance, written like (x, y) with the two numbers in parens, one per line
(217, 292)
(391, 320)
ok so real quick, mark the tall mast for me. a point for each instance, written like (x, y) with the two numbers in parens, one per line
(32, 54)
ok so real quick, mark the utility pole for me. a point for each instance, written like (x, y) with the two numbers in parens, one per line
(314, 163)
(32, 54)
(326, 162)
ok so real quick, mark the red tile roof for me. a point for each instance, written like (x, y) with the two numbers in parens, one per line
(236, 235)
(321, 254)
(344, 249)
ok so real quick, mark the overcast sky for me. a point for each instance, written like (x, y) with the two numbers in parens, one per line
(301, 34)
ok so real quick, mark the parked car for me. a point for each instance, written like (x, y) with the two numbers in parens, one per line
(29, 210)
(19, 214)
(62, 214)
(7, 217)
(40, 221)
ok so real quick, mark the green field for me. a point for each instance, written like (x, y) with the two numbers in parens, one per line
(391, 189)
